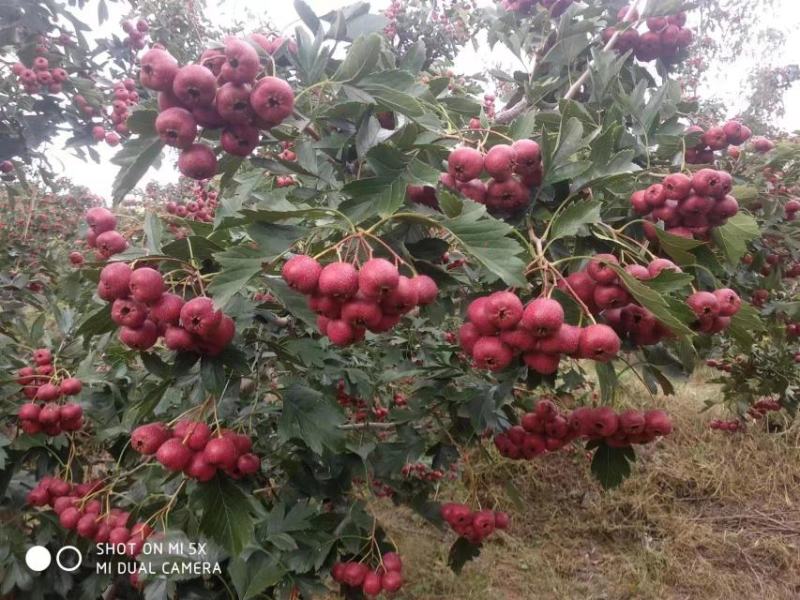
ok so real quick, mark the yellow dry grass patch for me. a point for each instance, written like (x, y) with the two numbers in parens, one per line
(705, 515)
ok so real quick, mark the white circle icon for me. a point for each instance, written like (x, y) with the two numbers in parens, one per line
(77, 563)
(38, 558)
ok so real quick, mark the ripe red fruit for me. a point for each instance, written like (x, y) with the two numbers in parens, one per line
(158, 70)
(199, 469)
(492, 354)
(176, 127)
(401, 299)
(241, 62)
(610, 296)
(658, 422)
(391, 581)
(339, 280)
(707, 182)
(199, 316)
(601, 422)
(528, 157)
(198, 161)
(506, 197)
(214, 342)
(272, 100)
(119, 535)
(220, 452)
(354, 574)
(48, 392)
(677, 186)
(146, 439)
(194, 86)
(194, 434)
(71, 412)
(468, 334)
(599, 342)
(100, 219)
(543, 317)
(426, 289)
(69, 517)
(178, 339)
(655, 195)
(662, 264)
(240, 139)
(392, 562)
(704, 304)
(545, 364)
(110, 243)
(500, 162)
(465, 164)
(599, 269)
(42, 356)
(29, 412)
(301, 273)
(729, 302)
(639, 272)
(173, 454)
(372, 584)
(503, 310)
(128, 313)
(76, 258)
(248, 464)
(166, 310)
(114, 281)
(632, 422)
(377, 278)
(362, 313)
(141, 338)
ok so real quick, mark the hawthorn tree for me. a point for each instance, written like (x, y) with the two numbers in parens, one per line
(380, 268)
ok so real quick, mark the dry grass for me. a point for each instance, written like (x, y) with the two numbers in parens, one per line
(705, 515)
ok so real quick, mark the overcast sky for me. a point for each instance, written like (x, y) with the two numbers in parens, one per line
(728, 85)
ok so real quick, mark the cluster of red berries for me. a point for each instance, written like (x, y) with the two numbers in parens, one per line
(349, 301)
(762, 407)
(359, 408)
(103, 235)
(546, 429)
(720, 365)
(144, 310)
(689, 207)
(474, 526)
(500, 327)
(202, 208)
(388, 577)
(40, 76)
(78, 511)
(514, 170)
(137, 33)
(124, 96)
(665, 37)
(51, 419)
(190, 447)
(395, 9)
(421, 471)
(223, 90)
(731, 133)
(273, 42)
(791, 208)
(732, 426)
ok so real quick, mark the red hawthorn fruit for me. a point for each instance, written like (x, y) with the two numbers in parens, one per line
(391, 581)
(704, 305)
(158, 70)
(199, 316)
(372, 584)
(599, 269)
(50, 414)
(141, 338)
(475, 190)
(119, 535)
(543, 317)
(506, 196)
(248, 464)
(518, 340)
(301, 273)
(194, 434)
(468, 335)
(69, 517)
(545, 364)
(377, 277)
(166, 310)
(233, 103)
(662, 264)
(338, 280)
(215, 341)
(29, 412)
(610, 296)
(426, 289)
(199, 469)
(146, 285)
(220, 452)
(101, 219)
(110, 243)
(325, 306)
(581, 285)
(340, 332)
(272, 100)
(362, 313)
(503, 310)
(48, 392)
(173, 455)
(241, 62)
(639, 272)
(465, 164)
(194, 86)
(639, 203)
(392, 562)
(658, 422)
(528, 157)
(500, 162)
(401, 299)
(42, 356)
(715, 138)
(707, 182)
(354, 573)
(729, 302)
(71, 412)
(147, 439)
(178, 339)
(632, 422)
(565, 341)
(198, 161)
(76, 258)
(492, 354)
(655, 195)
(599, 342)
(208, 117)
(176, 127)
(677, 186)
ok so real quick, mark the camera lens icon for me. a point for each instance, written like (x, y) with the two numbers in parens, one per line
(71, 561)
(38, 558)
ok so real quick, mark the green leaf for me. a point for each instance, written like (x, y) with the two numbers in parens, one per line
(487, 240)
(237, 266)
(611, 466)
(312, 418)
(136, 157)
(677, 247)
(523, 126)
(307, 15)
(607, 378)
(97, 323)
(252, 576)
(295, 302)
(461, 552)
(143, 122)
(212, 374)
(226, 513)
(569, 221)
(361, 59)
(732, 238)
(152, 232)
(414, 58)
(744, 324)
